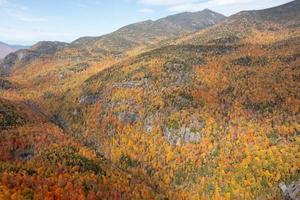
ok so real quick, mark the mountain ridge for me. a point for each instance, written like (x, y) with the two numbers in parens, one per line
(146, 31)
(6, 49)
(24, 56)
(119, 42)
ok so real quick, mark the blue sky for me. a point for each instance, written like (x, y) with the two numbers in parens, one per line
(29, 21)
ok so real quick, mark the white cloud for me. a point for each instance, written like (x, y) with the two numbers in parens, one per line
(21, 15)
(145, 10)
(2, 2)
(19, 12)
(165, 2)
(82, 5)
(28, 36)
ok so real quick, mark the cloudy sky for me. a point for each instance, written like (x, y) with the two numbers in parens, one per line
(29, 21)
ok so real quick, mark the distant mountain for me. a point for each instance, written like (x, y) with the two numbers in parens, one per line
(148, 32)
(6, 49)
(24, 56)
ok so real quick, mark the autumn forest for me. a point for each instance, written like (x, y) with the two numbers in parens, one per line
(157, 110)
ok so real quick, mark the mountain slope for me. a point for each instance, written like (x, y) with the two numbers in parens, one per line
(38, 160)
(6, 49)
(212, 114)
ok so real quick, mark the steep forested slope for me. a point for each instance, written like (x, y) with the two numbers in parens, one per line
(39, 161)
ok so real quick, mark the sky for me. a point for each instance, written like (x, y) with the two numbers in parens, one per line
(29, 21)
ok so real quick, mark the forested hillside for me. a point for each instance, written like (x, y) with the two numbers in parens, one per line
(213, 113)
